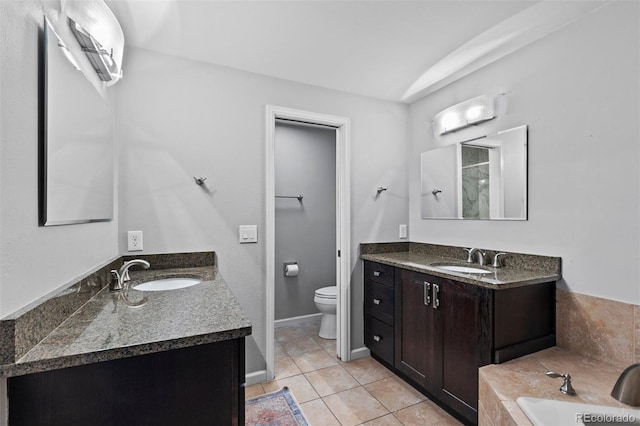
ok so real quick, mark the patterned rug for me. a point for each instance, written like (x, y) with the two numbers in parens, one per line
(276, 408)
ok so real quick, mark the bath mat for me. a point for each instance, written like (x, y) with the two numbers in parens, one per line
(276, 408)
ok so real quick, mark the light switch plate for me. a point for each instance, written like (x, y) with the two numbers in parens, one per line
(248, 234)
(402, 233)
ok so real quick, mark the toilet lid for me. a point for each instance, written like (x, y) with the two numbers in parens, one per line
(327, 292)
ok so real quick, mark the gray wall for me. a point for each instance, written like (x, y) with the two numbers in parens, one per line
(578, 90)
(305, 163)
(179, 118)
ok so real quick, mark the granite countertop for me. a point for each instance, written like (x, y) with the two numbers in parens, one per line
(106, 328)
(525, 271)
(502, 384)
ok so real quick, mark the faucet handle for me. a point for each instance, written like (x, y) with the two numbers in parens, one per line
(496, 260)
(115, 283)
(566, 387)
(469, 254)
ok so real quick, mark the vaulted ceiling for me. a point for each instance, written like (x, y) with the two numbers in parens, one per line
(393, 50)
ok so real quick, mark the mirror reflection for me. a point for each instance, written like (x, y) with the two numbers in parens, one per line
(76, 142)
(483, 178)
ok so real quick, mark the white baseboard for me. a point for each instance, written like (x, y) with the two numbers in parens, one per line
(362, 352)
(286, 322)
(255, 377)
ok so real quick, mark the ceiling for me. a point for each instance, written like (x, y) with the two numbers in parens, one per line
(375, 48)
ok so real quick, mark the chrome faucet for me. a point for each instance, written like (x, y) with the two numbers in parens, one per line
(119, 279)
(479, 254)
(627, 388)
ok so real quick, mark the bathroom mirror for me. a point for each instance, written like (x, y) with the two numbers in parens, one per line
(75, 142)
(482, 178)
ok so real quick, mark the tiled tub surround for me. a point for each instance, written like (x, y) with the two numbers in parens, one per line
(517, 269)
(597, 339)
(500, 385)
(105, 328)
(603, 329)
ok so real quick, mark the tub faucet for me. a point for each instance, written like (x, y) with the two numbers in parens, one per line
(566, 387)
(627, 388)
(118, 278)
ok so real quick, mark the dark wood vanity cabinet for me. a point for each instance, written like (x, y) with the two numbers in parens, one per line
(418, 346)
(379, 310)
(197, 385)
(444, 330)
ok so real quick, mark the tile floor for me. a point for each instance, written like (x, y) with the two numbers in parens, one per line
(331, 392)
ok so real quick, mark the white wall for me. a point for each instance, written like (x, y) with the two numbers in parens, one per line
(179, 118)
(578, 90)
(33, 260)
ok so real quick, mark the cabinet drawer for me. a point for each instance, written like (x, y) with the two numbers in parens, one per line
(379, 301)
(378, 272)
(379, 338)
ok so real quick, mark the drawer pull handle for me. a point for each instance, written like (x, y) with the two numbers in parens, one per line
(376, 301)
(436, 296)
(377, 338)
(376, 273)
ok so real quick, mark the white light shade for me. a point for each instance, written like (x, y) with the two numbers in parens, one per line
(464, 114)
(100, 24)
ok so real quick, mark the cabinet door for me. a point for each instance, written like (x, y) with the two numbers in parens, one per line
(418, 352)
(466, 342)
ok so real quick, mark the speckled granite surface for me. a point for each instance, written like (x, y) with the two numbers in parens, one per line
(105, 328)
(23, 329)
(518, 269)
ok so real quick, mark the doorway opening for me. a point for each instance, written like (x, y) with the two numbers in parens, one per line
(339, 127)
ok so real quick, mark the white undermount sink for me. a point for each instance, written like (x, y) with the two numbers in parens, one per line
(167, 284)
(550, 412)
(463, 269)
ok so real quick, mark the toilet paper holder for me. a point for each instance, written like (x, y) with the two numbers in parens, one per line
(290, 269)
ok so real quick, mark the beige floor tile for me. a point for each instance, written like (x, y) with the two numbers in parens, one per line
(425, 413)
(278, 349)
(301, 346)
(394, 393)
(318, 414)
(328, 345)
(298, 385)
(331, 380)
(289, 334)
(285, 367)
(253, 391)
(367, 370)
(388, 420)
(314, 360)
(354, 406)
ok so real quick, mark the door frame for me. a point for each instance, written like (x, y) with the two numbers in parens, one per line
(343, 231)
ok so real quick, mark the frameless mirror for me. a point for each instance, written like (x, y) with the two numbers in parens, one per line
(483, 178)
(76, 142)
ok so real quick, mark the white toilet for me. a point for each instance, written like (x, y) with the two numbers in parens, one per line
(325, 299)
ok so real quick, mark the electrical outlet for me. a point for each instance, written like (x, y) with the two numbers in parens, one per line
(402, 231)
(134, 240)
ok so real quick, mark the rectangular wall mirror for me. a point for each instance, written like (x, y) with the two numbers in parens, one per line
(76, 142)
(482, 178)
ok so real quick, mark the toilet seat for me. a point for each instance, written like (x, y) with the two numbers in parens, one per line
(327, 293)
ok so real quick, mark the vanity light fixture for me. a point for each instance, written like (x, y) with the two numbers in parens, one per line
(99, 34)
(470, 112)
(63, 47)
